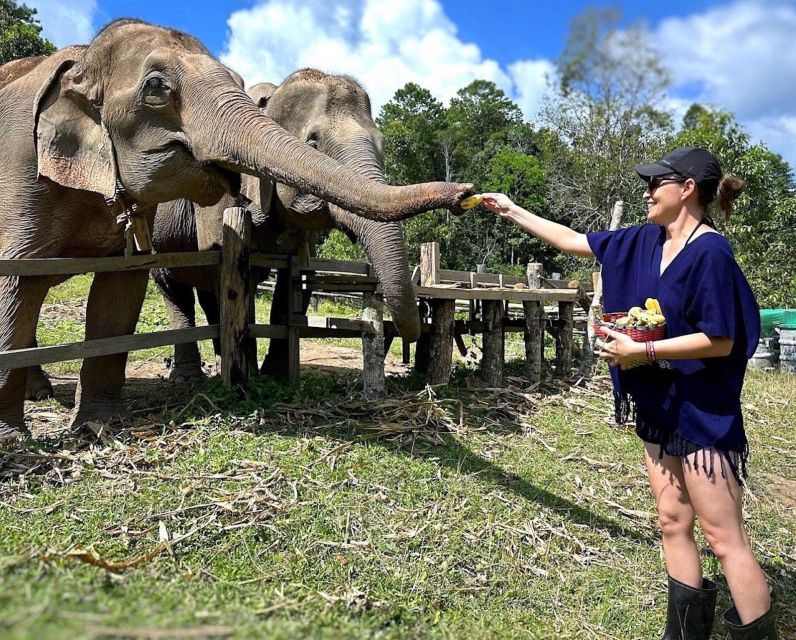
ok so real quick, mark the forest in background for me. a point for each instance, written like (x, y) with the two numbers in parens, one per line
(605, 111)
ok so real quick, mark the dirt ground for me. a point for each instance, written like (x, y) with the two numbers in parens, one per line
(148, 390)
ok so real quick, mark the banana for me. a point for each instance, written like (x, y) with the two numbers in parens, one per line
(653, 306)
(635, 312)
(472, 201)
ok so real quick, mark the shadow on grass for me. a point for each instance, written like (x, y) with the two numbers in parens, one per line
(316, 388)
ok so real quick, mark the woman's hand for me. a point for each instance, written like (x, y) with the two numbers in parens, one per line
(499, 203)
(620, 350)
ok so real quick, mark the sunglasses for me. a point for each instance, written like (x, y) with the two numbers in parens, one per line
(654, 183)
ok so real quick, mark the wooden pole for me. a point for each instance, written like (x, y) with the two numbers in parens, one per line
(441, 347)
(564, 337)
(373, 346)
(492, 360)
(534, 340)
(295, 318)
(235, 278)
(534, 273)
(429, 264)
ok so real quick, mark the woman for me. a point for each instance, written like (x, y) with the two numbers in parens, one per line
(686, 397)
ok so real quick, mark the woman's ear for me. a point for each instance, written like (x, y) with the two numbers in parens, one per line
(72, 145)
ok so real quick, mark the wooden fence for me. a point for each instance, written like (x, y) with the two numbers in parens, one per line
(488, 295)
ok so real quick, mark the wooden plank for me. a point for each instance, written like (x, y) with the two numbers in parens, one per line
(341, 266)
(235, 288)
(340, 279)
(450, 275)
(269, 260)
(364, 287)
(267, 331)
(516, 295)
(66, 266)
(429, 264)
(323, 322)
(19, 358)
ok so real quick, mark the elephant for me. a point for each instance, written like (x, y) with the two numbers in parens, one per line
(95, 137)
(332, 113)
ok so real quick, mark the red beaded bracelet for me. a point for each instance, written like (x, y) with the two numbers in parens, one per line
(650, 351)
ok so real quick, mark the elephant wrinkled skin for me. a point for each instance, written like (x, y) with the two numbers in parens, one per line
(332, 114)
(142, 115)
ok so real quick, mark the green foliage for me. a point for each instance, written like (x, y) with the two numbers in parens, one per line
(20, 33)
(762, 228)
(338, 246)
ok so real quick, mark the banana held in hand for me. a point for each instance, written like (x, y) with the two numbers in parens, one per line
(472, 201)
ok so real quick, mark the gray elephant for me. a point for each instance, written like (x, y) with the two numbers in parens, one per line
(94, 137)
(332, 113)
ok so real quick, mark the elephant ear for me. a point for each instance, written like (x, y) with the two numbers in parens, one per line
(261, 93)
(259, 190)
(72, 144)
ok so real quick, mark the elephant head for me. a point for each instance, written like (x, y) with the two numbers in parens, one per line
(332, 114)
(145, 115)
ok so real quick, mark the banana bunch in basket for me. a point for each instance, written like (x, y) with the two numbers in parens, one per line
(638, 318)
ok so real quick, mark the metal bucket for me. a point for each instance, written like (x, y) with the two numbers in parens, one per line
(787, 350)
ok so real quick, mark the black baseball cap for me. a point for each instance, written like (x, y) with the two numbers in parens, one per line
(688, 162)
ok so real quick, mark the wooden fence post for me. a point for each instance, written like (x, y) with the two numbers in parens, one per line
(441, 347)
(534, 274)
(373, 346)
(235, 290)
(493, 350)
(534, 340)
(294, 313)
(564, 337)
(429, 264)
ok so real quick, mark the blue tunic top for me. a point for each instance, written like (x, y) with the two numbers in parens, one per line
(701, 290)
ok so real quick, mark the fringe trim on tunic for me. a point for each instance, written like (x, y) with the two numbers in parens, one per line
(679, 447)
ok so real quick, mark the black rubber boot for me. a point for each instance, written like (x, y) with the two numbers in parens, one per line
(764, 628)
(690, 612)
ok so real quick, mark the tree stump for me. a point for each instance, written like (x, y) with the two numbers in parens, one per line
(235, 290)
(493, 350)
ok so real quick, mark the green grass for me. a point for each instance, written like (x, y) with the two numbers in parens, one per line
(311, 512)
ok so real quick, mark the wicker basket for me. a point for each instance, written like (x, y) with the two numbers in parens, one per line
(637, 334)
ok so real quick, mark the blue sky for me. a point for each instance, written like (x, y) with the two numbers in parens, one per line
(739, 55)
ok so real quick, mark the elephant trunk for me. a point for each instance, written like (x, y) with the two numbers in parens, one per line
(383, 243)
(253, 143)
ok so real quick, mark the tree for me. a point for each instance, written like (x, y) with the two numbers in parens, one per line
(20, 33)
(604, 113)
(762, 228)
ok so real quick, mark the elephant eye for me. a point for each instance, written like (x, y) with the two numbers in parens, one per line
(156, 91)
(313, 142)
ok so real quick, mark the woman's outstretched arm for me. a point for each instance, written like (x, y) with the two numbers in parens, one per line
(560, 236)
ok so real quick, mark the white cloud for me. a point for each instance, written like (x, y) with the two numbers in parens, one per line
(383, 45)
(66, 23)
(531, 81)
(740, 57)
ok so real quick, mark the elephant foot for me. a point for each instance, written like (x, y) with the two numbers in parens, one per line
(86, 413)
(38, 386)
(186, 373)
(274, 367)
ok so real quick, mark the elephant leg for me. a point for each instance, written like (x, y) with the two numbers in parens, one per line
(179, 301)
(20, 304)
(38, 386)
(209, 302)
(114, 304)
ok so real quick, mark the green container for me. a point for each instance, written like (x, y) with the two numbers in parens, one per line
(788, 319)
(770, 318)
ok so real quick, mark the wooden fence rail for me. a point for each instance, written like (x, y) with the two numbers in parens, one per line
(238, 330)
